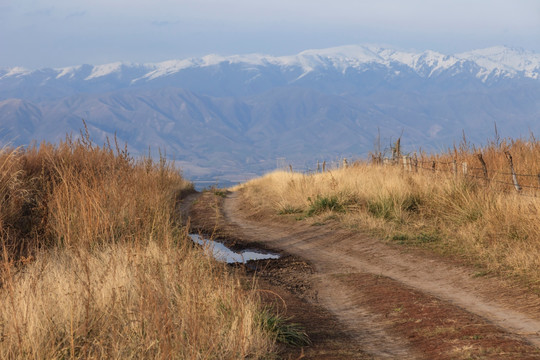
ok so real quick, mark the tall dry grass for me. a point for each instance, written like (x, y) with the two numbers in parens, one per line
(491, 225)
(76, 193)
(95, 266)
(525, 155)
(124, 302)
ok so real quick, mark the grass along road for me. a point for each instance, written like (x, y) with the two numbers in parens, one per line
(399, 302)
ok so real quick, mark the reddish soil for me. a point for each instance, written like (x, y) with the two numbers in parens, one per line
(359, 297)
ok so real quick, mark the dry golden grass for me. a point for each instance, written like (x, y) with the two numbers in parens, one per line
(121, 302)
(490, 225)
(525, 155)
(94, 265)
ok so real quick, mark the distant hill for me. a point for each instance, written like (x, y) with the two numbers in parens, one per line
(219, 116)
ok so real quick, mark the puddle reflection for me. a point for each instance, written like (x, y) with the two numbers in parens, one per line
(222, 253)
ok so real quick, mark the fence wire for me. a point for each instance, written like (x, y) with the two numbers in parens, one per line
(485, 175)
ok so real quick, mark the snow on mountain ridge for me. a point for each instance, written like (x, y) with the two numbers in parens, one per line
(105, 69)
(499, 59)
(496, 61)
(67, 71)
(429, 60)
(170, 67)
(15, 72)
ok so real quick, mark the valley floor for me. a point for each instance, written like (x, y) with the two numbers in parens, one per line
(360, 297)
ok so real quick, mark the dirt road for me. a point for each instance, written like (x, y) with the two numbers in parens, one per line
(400, 303)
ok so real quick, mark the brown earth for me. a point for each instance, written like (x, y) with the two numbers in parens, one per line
(359, 297)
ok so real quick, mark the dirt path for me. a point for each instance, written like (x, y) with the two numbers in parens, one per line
(399, 303)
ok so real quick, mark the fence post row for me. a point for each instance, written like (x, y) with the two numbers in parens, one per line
(410, 162)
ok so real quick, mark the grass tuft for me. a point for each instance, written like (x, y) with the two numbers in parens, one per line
(288, 209)
(322, 204)
(283, 329)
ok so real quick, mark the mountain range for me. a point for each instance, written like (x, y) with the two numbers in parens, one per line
(231, 117)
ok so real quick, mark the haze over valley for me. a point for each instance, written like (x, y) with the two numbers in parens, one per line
(230, 118)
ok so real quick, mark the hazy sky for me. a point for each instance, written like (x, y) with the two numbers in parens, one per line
(55, 33)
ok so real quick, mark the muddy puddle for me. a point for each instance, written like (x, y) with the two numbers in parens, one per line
(222, 253)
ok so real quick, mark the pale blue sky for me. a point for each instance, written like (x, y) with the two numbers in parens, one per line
(55, 33)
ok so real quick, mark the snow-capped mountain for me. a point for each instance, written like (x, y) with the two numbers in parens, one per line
(498, 61)
(241, 112)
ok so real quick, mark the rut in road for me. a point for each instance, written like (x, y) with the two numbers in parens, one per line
(340, 251)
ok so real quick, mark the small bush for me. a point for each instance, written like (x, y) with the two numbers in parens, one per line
(428, 237)
(381, 208)
(324, 203)
(289, 209)
(392, 207)
(401, 238)
(282, 329)
(461, 202)
(411, 203)
(220, 193)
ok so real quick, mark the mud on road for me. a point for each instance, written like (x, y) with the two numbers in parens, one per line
(359, 297)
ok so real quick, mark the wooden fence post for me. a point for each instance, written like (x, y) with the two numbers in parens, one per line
(484, 167)
(454, 167)
(396, 153)
(514, 176)
(290, 167)
(345, 165)
(404, 161)
(433, 166)
(415, 163)
(465, 168)
(324, 166)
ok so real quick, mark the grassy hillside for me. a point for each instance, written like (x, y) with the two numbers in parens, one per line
(486, 222)
(94, 264)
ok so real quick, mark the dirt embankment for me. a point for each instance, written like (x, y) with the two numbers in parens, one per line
(360, 298)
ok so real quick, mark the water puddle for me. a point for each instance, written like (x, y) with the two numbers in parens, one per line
(222, 253)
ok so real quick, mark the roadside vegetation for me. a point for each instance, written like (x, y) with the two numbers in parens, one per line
(484, 221)
(94, 264)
